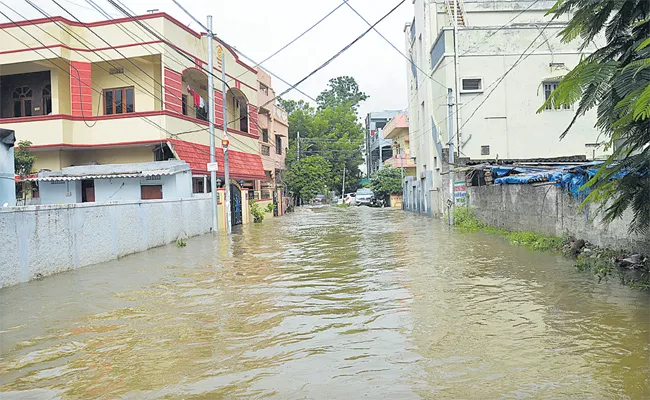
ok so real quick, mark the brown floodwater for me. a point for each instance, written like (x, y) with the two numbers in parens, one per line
(327, 303)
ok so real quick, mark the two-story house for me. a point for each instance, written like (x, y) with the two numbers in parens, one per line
(124, 91)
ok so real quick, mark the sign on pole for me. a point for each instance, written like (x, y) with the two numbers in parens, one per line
(213, 167)
(460, 193)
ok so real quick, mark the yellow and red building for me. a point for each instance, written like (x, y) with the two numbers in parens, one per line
(397, 130)
(135, 90)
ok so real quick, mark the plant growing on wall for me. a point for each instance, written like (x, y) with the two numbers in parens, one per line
(615, 80)
(24, 164)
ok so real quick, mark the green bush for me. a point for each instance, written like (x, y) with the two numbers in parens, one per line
(257, 212)
(270, 207)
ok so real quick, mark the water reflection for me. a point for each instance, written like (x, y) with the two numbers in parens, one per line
(327, 303)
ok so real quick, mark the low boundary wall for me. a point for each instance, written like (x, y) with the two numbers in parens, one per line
(43, 240)
(550, 210)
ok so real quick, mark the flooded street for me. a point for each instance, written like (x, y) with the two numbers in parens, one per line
(327, 303)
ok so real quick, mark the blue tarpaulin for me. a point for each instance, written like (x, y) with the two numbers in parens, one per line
(571, 178)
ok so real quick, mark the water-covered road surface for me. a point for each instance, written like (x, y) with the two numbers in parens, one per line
(327, 304)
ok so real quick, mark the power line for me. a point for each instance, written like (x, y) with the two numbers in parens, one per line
(301, 35)
(392, 45)
(344, 49)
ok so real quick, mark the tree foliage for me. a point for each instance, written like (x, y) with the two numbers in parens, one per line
(23, 159)
(331, 131)
(615, 80)
(309, 176)
(343, 90)
(386, 181)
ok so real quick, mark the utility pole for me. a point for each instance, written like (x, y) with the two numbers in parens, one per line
(225, 143)
(298, 144)
(450, 105)
(380, 161)
(213, 158)
(343, 189)
(456, 78)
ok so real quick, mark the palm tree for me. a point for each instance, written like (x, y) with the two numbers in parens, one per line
(616, 80)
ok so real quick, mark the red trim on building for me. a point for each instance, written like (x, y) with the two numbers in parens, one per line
(81, 95)
(121, 21)
(65, 46)
(173, 89)
(218, 108)
(252, 120)
(89, 117)
(242, 165)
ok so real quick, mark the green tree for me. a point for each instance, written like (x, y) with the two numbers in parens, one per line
(615, 80)
(342, 90)
(24, 164)
(386, 181)
(308, 177)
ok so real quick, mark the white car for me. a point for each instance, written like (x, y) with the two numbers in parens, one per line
(349, 198)
(364, 196)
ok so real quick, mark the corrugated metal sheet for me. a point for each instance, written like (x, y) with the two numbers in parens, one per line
(102, 176)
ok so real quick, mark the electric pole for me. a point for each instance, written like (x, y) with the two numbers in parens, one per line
(450, 105)
(298, 144)
(213, 158)
(225, 143)
(343, 189)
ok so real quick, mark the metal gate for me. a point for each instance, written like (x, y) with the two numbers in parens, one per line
(235, 205)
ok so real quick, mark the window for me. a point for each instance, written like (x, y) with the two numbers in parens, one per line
(485, 150)
(119, 101)
(22, 98)
(202, 112)
(184, 103)
(243, 117)
(472, 85)
(264, 88)
(151, 192)
(549, 87)
(47, 100)
(278, 144)
(265, 135)
(266, 150)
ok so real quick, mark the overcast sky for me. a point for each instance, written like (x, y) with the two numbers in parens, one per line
(260, 27)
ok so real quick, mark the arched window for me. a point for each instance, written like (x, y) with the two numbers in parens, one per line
(22, 98)
(47, 100)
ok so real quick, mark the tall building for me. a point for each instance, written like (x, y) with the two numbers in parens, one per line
(501, 59)
(376, 143)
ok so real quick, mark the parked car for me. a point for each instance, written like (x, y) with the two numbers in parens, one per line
(364, 197)
(349, 198)
(320, 199)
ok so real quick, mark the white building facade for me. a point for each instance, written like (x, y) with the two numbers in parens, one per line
(505, 61)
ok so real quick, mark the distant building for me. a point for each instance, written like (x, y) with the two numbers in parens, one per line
(378, 148)
(509, 59)
(168, 180)
(273, 143)
(397, 131)
(7, 183)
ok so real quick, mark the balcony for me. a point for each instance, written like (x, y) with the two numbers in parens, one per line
(400, 161)
(397, 127)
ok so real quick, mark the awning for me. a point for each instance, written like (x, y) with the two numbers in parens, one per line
(245, 166)
(101, 176)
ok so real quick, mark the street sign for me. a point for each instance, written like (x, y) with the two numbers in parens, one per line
(213, 167)
(460, 193)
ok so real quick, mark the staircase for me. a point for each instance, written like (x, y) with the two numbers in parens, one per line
(460, 19)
